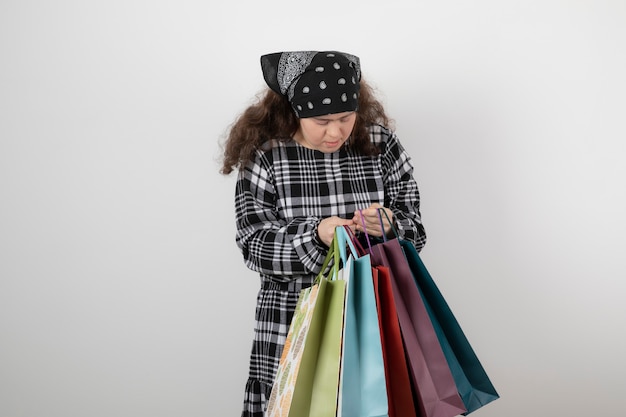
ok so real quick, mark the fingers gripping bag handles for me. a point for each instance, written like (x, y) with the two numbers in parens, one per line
(307, 380)
(363, 382)
(433, 383)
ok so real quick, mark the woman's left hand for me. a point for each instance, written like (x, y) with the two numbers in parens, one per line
(370, 217)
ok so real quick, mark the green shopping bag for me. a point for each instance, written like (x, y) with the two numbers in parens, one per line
(307, 381)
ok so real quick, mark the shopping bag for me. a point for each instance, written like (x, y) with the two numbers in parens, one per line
(472, 381)
(307, 380)
(398, 383)
(280, 400)
(434, 385)
(401, 402)
(363, 383)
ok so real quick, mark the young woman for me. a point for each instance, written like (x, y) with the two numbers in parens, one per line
(313, 153)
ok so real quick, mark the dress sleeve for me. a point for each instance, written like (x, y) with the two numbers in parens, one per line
(401, 192)
(269, 244)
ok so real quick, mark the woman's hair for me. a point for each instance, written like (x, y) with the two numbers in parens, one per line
(272, 117)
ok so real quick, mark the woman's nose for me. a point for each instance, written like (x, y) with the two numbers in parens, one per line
(333, 130)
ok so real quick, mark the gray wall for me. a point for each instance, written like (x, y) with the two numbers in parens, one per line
(122, 292)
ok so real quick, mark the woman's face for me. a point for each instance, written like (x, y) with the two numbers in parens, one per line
(325, 133)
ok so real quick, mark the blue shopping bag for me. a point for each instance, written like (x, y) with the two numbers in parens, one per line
(363, 388)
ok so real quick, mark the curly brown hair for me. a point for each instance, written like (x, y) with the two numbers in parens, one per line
(271, 117)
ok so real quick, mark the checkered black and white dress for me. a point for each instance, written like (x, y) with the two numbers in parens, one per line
(281, 196)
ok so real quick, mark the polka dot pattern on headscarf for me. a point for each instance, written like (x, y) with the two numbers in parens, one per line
(315, 83)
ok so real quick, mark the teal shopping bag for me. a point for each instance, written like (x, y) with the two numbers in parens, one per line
(363, 388)
(473, 383)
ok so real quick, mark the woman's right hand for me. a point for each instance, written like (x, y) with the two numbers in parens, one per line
(326, 228)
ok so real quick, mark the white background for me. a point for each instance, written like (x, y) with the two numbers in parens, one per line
(122, 292)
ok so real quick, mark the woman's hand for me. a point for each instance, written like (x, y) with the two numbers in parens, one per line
(369, 216)
(326, 228)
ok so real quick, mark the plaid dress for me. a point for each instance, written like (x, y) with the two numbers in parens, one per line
(281, 196)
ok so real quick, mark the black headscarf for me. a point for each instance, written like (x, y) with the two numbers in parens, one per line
(315, 83)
